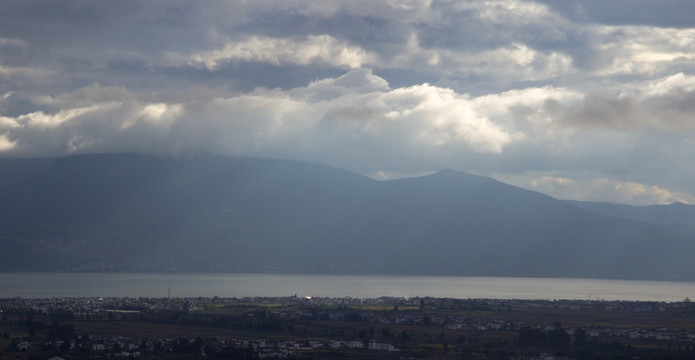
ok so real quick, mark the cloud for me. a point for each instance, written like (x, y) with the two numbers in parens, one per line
(8, 43)
(670, 13)
(314, 49)
(506, 11)
(516, 60)
(644, 50)
(556, 89)
(662, 105)
(356, 112)
(598, 188)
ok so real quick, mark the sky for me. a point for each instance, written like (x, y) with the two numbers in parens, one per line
(585, 100)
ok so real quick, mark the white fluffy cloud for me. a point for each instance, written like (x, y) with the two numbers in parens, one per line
(355, 109)
(321, 49)
(596, 188)
(644, 50)
(511, 61)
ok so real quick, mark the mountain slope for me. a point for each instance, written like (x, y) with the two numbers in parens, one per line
(211, 213)
(678, 215)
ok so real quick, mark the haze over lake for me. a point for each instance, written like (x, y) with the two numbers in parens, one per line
(48, 285)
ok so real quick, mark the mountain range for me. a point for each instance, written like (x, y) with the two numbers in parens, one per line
(208, 213)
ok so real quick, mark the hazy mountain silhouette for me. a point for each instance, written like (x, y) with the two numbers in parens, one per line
(678, 215)
(212, 213)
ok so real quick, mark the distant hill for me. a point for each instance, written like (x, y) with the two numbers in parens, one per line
(211, 213)
(678, 215)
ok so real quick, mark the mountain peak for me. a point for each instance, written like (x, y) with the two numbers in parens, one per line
(449, 172)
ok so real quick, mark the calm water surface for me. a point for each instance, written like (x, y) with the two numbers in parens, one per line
(42, 285)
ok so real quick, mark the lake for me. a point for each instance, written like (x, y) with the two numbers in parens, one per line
(48, 285)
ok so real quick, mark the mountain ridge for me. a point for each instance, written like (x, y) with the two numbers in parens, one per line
(214, 213)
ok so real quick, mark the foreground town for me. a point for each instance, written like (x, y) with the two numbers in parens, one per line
(333, 328)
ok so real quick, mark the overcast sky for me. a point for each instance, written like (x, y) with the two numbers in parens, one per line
(586, 100)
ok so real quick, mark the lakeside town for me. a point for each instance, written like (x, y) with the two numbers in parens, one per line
(317, 327)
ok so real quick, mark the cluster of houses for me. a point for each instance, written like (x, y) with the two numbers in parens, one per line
(335, 309)
(193, 304)
(124, 347)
